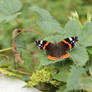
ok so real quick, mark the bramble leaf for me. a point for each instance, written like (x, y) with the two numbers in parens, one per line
(54, 38)
(86, 83)
(79, 55)
(86, 35)
(61, 76)
(9, 9)
(73, 83)
(46, 21)
(61, 88)
(72, 28)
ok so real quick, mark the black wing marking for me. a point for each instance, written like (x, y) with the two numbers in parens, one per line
(42, 44)
(72, 40)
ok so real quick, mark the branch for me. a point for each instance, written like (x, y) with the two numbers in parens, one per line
(16, 53)
(14, 35)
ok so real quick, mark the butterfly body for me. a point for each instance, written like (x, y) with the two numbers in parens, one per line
(59, 50)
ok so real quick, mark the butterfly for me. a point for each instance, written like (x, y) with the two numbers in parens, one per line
(59, 50)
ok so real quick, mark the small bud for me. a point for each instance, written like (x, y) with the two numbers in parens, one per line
(88, 16)
(75, 14)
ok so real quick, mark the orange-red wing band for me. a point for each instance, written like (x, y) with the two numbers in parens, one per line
(67, 43)
(52, 58)
(65, 56)
(45, 45)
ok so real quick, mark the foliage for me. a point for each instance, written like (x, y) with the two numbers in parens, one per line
(75, 78)
(67, 75)
(46, 20)
(9, 9)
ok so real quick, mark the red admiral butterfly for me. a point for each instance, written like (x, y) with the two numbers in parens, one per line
(59, 50)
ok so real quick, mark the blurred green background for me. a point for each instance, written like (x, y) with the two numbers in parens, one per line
(60, 9)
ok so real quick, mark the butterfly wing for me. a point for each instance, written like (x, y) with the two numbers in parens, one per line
(70, 42)
(48, 46)
(59, 50)
(44, 45)
(66, 45)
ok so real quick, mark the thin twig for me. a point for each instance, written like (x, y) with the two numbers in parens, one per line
(29, 29)
(14, 35)
(17, 55)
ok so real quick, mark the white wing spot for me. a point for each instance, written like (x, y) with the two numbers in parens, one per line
(41, 42)
(73, 41)
(39, 45)
(70, 39)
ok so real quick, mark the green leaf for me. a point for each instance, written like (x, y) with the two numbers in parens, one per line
(61, 89)
(54, 38)
(89, 49)
(79, 56)
(9, 9)
(61, 76)
(86, 35)
(72, 28)
(86, 83)
(46, 21)
(73, 82)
